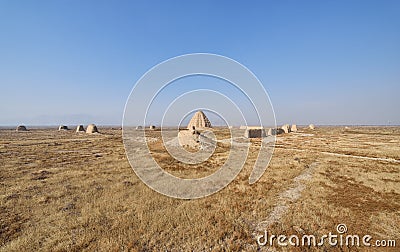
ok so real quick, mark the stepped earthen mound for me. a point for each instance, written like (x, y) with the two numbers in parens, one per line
(62, 127)
(91, 128)
(286, 128)
(80, 128)
(21, 128)
(254, 133)
(199, 121)
(277, 131)
(189, 139)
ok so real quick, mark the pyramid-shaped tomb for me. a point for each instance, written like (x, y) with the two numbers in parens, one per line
(199, 120)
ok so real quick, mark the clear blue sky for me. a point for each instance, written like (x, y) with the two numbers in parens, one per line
(322, 62)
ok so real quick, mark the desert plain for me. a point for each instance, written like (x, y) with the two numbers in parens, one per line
(64, 191)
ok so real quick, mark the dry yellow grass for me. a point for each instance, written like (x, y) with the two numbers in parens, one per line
(62, 191)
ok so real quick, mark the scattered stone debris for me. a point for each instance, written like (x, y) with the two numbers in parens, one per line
(128, 183)
(40, 175)
(69, 206)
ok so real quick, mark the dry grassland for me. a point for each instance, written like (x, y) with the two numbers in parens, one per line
(62, 191)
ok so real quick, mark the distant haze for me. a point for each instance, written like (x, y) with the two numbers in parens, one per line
(321, 62)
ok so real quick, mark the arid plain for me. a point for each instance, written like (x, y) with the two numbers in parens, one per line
(63, 191)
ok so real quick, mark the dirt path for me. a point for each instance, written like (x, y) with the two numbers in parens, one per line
(392, 160)
(361, 157)
(288, 197)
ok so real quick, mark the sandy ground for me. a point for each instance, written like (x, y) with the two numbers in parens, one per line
(63, 191)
